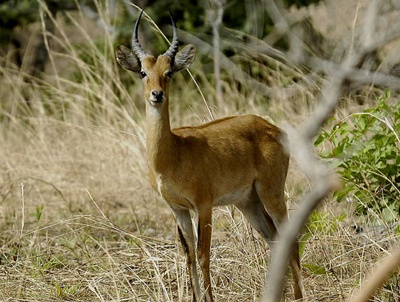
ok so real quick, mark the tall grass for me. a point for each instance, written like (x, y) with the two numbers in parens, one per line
(78, 219)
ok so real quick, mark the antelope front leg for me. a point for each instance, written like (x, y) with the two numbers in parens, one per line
(296, 271)
(203, 248)
(185, 231)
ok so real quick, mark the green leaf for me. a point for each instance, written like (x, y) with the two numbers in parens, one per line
(335, 162)
(302, 243)
(390, 213)
(362, 124)
(315, 269)
(342, 194)
(320, 139)
(38, 213)
(338, 150)
(344, 129)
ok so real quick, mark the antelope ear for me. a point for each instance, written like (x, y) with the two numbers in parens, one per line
(126, 59)
(184, 58)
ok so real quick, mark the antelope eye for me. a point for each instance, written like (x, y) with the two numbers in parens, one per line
(168, 74)
(143, 74)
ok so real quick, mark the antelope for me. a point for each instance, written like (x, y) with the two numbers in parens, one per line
(239, 160)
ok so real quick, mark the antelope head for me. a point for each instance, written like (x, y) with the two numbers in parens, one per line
(155, 73)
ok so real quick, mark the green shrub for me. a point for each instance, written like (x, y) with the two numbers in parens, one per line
(364, 149)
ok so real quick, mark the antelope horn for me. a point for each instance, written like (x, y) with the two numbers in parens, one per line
(137, 49)
(173, 48)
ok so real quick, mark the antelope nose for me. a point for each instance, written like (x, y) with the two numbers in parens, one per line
(158, 95)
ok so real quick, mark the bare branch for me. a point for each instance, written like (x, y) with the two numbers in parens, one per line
(215, 13)
(378, 277)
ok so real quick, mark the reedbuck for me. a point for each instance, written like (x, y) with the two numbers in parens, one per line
(238, 160)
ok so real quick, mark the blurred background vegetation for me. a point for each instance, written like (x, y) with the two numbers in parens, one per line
(192, 17)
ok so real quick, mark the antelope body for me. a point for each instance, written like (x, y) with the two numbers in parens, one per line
(237, 160)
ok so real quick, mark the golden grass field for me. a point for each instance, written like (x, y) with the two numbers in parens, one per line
(79, 221)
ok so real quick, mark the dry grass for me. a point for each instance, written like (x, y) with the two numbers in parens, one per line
(79, 221)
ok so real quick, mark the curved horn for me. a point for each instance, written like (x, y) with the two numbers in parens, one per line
(137, 49)
(173, 48)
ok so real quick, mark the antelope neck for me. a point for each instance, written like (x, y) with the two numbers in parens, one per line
(160, 140)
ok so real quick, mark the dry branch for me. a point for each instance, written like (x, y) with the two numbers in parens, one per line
(378, 277)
